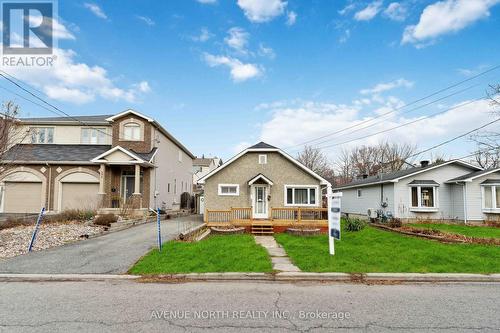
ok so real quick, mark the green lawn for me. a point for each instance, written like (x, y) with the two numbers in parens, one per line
(228, 253)
(374, 250)
(471, 231)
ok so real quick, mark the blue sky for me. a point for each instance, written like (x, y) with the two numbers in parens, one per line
(221, 75)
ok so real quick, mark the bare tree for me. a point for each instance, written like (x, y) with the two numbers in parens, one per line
(487, 154)
(372, 160)
(10, 131)
(314, 159)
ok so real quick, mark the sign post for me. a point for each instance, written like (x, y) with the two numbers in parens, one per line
(159, 228)
(333, 218)
(37, 225)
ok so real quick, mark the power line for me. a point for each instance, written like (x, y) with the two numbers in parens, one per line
(55, 108)
(393, 111)
(404, 106)
(402, 125)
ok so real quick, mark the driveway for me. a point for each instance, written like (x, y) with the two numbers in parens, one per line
(112, 253)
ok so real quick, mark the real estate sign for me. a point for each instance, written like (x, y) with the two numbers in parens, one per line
(333, 219)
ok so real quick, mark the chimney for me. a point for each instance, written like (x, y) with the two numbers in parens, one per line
(423, 164)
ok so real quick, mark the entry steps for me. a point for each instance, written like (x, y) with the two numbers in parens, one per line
(262, 229)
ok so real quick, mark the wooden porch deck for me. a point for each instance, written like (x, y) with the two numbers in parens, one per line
(280, 216)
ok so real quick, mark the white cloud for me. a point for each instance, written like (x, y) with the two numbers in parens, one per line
(262, 10)
(265, 51)
(291, 18)
(386, 86)
(345, 36)
(95, 9)
(293, 124)
(146, 20)
(239, 71)
(369, 12)
(472, 71)
(350, 7)
(204, 35)
(70, 81)
(237, 39)
(207, 2)
(396, 11)
(445, 17)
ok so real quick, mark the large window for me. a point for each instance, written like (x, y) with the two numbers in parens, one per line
(42, 134)
(132, 132)
(424, 197)
(491, 197)
(94, 136)
(229, 189)
(301, 195)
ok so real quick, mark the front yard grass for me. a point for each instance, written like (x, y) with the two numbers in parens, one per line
(466, 230)
(373, 251)
(218, 253)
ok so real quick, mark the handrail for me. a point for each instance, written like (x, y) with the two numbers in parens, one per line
(285, 214)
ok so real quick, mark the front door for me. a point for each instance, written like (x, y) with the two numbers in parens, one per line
(128, 183)
(260, 208)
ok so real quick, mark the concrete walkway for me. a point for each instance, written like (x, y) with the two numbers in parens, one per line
(279, 258)
(111, 253)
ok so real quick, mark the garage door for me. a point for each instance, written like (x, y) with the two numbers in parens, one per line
(79, 196)
(22, 197)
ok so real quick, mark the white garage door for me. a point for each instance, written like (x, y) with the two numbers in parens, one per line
(22, 197)
(79, 196)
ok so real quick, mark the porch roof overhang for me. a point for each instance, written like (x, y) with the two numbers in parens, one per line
(423, 182)
(259, 177)
(126, 157)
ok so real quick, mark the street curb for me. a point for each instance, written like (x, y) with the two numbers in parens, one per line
(64, 277)
(255, 277)
(326, 277)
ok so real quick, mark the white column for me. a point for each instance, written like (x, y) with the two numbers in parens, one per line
(137, 185)
(102, 171)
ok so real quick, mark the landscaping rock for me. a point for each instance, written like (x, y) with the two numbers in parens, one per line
(15, 241)
(232, 231)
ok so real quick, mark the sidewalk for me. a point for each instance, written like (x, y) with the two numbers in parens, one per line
(279, 258)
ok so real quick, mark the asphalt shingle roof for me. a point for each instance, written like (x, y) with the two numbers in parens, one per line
(470, 175)
(54, 152)
(262, 145)
(90, 119)
(202, 161)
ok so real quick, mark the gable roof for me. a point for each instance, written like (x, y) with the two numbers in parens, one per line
(260, 176)
(264, 147)
(38, 153)
(473, 175)
(139, 158)
(129, 111)
(397, 175)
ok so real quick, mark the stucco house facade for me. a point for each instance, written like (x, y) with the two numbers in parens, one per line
(263, 186)
(450, 191)
(108, 162)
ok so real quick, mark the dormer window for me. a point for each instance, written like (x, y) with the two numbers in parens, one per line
(132, 132)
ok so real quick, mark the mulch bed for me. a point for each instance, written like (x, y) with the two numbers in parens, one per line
(438, 235)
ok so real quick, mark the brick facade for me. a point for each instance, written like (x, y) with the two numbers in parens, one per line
(143, 146)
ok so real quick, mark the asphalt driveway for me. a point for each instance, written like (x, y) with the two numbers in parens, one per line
(113, 253)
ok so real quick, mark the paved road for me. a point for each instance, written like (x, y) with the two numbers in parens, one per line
(112, 253)
(127, 306)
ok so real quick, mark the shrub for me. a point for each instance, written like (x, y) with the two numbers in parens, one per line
(354, 224)
(395, 223)
(71, 215)
(105, 219)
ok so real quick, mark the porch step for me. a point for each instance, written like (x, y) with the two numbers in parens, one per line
(262, 229)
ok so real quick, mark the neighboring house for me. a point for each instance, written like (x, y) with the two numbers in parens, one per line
(202, 166)
(264, 188)
(452, 191)
(111, 162)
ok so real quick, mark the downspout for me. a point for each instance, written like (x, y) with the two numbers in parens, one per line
(49, 181)
(465, 202)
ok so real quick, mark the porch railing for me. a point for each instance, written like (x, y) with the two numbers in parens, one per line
(280, 214)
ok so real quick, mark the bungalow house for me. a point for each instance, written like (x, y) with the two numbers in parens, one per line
(451, 191)
(107, 162)
(265, 190)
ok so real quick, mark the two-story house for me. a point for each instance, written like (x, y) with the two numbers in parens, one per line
(109, 162)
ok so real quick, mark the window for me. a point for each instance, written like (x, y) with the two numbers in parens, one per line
(168, 187)
(94, 136)
(424, 197)
(42, 134)
(491, 197)
(263, 159)
(180, 155)
(360, 193)
(229, 189)
(300, 195)
(132, 132)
